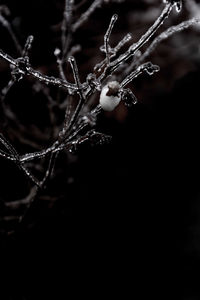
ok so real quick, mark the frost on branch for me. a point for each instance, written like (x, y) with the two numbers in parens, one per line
(72, 105)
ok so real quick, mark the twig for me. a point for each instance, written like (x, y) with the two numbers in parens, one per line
(16, 157)
(6, 89)
(27, 69)
(59, 61)
(107, 47)
(6, 24)
(84, 17)
(136, 46)
(98, 67)
(82, 100)
(163, 36)
(66, 27)
(27, 46)
(148, 67)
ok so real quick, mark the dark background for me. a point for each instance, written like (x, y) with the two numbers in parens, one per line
(125, 221)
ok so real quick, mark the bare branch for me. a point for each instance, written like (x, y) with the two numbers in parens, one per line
(49, 169)
(114, 52)
(107, 47)
(136, 46)
(23, 68)
(6, 89)
(16, 157)
(84, 17)
(73, 64)
(27, 46)
(163, 36)
(66, 27)
(4, 154)
(57, 53)
(148, 67)
(7, 25)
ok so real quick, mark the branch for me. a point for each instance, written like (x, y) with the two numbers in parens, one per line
(66, 27)
(136, 46)
(82, 100)
(6, 24)
(22, 68)
(84, 17)
(16, 158)
(114, 52)
(107, 47)
(148, 67)
(163, 36)
(27, 46)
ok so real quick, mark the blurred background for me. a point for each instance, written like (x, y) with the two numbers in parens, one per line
(121, 219)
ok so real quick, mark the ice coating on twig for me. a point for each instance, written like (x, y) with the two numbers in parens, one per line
(27, 46)
(144, 39)
(7, 25)
(161, 37)
(148, 67)
(107, 38)
(85, 16)
(113, 51)
(66, 29)
(177, 3)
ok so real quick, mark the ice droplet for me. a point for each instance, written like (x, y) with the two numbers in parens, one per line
(151, 69)
(178, 6)
(57, 52)
(177, 3)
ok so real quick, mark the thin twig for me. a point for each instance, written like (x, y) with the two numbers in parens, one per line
(136, 46)
(27, 69)
(163, 36)
(84, 17)
(16, 157)
(7, 25)
(107, 38)
(148, 67)
(66, 27)
(82, 100)
(27, 46)
(114, 52)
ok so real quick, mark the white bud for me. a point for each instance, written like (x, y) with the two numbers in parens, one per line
(109, 97)
(57, 52)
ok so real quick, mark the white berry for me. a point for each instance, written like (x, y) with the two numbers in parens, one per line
(109, 97)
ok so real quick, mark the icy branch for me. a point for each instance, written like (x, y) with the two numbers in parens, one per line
(84, 17)
(107, 47)
(144, 39)
(165, 35)
(82, 100)
(27, 46)
(15, 157)
(66, 27)
(23, 68)
(7, 25)
(148, 67)
(114, 51)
